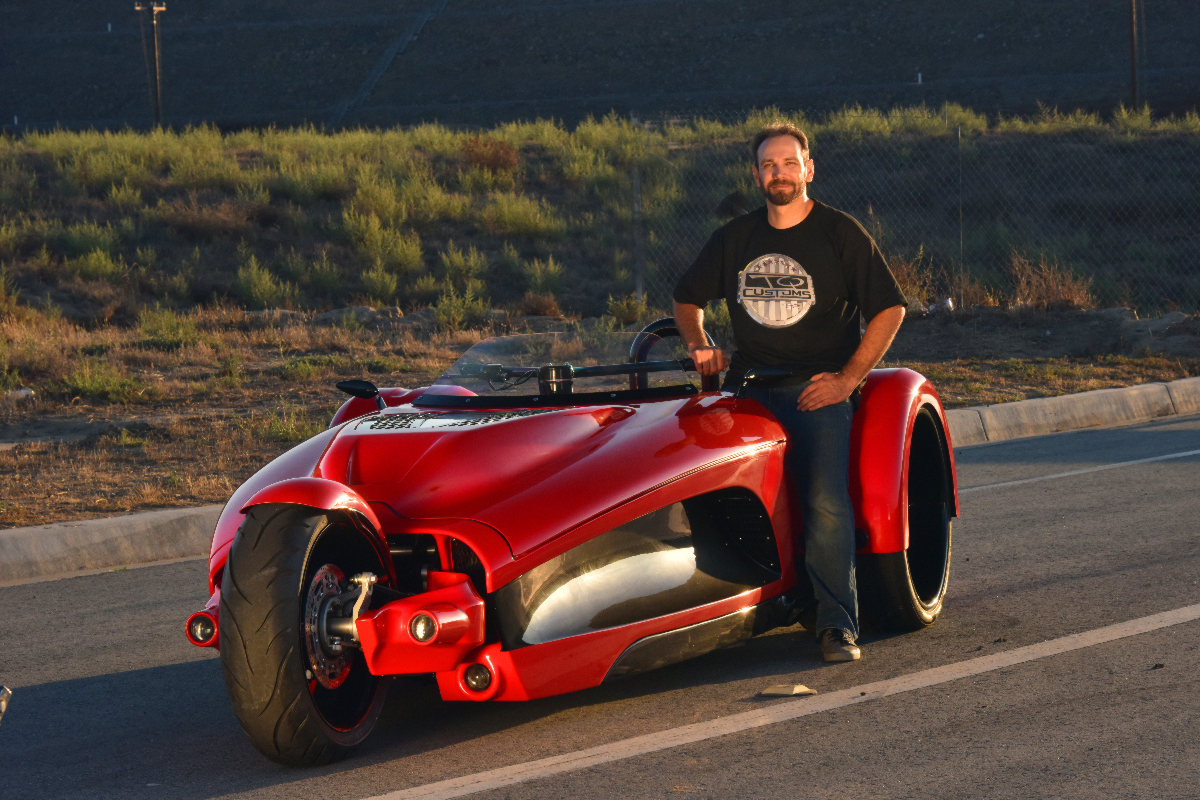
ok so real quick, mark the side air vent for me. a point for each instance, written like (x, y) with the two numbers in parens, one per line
(452, 419)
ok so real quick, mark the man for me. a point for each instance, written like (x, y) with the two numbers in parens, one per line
(800, 278)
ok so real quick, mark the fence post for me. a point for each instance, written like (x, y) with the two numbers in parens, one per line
(639, 238)
(960, 228)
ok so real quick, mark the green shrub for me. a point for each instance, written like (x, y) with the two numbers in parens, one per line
(257, 287)
(455, 312)
(284, 427)
(85, 237)
(543, 277)
(461, 268)
(424, 290)
(379, 284)
(307, 367)
(125, 196)
(101, 381)
(8, 297)
(163, 329)
(97, 265)
(381, 245)
(627, 310)
(586, 166)
(518, 215)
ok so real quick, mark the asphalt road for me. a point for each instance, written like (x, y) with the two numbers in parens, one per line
(110, 701)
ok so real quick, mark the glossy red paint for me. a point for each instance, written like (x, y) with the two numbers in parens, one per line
(210, 610)
(521, 491)
(879, 450)
(299, 462)
(580, 662)
(513, 476)
(315, 492)
(455, 606)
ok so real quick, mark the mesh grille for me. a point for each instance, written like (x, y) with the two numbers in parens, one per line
(435, 419)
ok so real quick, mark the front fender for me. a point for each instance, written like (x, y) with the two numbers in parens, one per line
(879, 453)
(319, 493)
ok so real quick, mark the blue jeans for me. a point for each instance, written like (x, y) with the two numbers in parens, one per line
(818, 459)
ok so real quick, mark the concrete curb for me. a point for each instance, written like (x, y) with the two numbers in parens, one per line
(63, 548)
(1043, 415)
(67, 547)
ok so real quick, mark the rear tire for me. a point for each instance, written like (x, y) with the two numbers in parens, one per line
(905, 591)
(288, 715)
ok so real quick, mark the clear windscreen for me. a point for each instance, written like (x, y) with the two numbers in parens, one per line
(508, 365)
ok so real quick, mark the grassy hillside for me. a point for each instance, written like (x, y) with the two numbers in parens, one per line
(100, 226)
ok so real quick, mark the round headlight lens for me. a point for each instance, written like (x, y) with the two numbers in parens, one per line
(202, 628)
(478, 677)
(422, 627)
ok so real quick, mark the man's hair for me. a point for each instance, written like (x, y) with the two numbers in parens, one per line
(777, 129)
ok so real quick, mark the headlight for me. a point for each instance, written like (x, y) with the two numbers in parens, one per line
(422, 627)
(478, 677)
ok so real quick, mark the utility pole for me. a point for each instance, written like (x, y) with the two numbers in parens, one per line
(1133, 54)
(153, 75)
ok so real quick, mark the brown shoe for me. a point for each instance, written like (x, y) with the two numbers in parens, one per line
(838, 645)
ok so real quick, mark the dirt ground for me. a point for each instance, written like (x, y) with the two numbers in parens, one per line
(64, 459)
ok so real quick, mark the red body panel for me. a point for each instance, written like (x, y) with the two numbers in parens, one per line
(315, 492)
(390, 649)
(299, 462)
(879, 447)
(580, 662)
(521, 491)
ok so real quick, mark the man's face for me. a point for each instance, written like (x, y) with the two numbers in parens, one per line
(783, 172)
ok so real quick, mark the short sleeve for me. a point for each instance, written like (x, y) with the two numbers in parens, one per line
(875, 288)
(702, 281)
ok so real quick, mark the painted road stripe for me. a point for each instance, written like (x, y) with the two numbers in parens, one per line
(1077, 472)
(783, 711)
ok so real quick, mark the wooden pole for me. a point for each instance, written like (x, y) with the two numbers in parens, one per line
(1133, 54)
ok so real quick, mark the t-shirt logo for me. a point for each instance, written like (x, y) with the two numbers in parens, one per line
(775, 290)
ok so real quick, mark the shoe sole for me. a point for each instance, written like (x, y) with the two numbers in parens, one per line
(841, 658)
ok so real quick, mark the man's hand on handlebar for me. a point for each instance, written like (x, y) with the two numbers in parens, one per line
(709, 360)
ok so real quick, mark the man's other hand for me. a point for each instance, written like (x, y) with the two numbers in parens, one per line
(826, 389)
(709, 360)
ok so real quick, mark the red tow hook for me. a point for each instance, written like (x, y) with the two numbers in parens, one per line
(429, 632)
(202, 627)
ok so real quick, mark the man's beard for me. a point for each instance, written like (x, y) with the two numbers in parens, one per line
(780, 193)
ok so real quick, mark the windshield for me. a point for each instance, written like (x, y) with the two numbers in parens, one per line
(574, 367)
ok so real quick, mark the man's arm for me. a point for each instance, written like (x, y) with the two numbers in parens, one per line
(828, 388)
(690, 321)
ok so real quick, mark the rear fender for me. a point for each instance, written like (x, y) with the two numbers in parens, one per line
(879, 454)
(327, 495)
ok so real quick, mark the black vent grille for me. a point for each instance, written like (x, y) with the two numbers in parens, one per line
(395, 422)
(451, 419)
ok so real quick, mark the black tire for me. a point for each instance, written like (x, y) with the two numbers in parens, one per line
(905, 591)
(288, 715)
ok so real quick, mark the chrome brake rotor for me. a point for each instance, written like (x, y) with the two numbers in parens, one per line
(328, 661)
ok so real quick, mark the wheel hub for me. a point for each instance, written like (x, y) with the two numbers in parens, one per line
(327, 658)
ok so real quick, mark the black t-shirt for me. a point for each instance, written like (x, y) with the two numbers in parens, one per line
(797, 296)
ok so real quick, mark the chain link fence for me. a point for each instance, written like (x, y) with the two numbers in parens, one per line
(1121, 211)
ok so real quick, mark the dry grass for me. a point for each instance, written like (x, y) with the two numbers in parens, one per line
(970, 382)
(179, 407)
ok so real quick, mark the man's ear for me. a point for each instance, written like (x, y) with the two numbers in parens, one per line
(754, 172)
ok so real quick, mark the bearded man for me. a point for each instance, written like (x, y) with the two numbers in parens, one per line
(801, 279)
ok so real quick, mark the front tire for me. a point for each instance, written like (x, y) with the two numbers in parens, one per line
(905, 591)
(288, 714)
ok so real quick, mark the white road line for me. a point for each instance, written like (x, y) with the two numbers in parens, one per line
(783, 711)
(1077, 472)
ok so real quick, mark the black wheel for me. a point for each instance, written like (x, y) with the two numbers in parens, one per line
(298, 703)
(905, 591)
